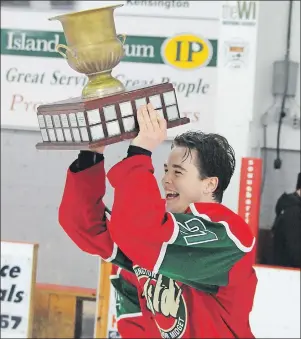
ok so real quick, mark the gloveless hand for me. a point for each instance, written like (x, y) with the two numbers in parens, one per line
(152, 128)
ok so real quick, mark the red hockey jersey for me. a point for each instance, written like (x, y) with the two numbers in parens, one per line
(192, 272)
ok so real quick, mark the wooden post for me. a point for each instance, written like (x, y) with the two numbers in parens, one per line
(103, 300)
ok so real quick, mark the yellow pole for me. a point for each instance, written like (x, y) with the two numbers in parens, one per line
(103, 300)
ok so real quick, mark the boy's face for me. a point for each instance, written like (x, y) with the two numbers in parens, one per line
(182, 183)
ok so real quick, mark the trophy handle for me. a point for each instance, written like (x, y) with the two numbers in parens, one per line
(122, 38)
(59, 46)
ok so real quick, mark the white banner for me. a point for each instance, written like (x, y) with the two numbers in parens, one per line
(160, 9)
(237, 51)
(182, 51)
(18, 273)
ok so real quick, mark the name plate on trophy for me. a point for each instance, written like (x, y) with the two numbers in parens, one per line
(81, 124)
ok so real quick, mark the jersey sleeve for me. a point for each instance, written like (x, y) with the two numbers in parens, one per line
(82, 214)
(186, 247)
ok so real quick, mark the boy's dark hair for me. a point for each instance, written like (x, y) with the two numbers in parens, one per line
(216, 157)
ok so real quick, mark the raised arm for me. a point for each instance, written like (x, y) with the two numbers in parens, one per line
(82, 211)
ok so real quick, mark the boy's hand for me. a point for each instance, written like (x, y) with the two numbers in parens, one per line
(152, 128)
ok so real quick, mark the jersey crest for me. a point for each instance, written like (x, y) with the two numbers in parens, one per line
(164, 298)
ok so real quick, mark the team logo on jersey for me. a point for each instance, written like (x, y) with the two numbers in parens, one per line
(164, 298)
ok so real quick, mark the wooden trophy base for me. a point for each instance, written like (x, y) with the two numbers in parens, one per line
(78, 124)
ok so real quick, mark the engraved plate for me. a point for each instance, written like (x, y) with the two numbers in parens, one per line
(97, 132)
(41, 121)
(48, 121)
(126, 108)
(129, 124)
(84, 133)
(81, 119)
(113, 128)
(56, 120)
(64, 120)
(59, 134)
(76, 135)
(110, 113)
(68, 136)
(44, 135)
(52, 135)
(172, 112)
(72, 119)
(169, 98)
(155, 100)
(93, 116)
(140, 102)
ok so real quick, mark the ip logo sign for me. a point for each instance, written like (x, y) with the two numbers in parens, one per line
(187, 51)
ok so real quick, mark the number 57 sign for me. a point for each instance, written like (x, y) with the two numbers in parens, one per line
(10, 321)
(18, 273)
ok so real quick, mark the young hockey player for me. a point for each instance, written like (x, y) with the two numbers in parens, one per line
(183, 263)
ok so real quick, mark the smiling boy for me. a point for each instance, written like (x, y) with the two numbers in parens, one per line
(183, 265)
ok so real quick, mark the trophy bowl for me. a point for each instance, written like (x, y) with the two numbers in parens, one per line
(93, 48)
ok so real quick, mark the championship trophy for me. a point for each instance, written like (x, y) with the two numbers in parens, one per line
(106, 112)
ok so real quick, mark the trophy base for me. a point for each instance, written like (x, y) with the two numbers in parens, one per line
(82, 124)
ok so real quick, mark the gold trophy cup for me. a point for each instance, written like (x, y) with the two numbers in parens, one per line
(106, 112)
(93, 48)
